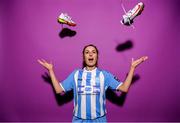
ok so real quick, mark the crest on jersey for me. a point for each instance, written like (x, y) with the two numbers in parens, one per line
(116, 78)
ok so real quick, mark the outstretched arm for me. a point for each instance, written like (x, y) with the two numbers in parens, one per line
(125, 86)
(55, 82)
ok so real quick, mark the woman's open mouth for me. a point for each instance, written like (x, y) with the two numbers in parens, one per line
(90, 59)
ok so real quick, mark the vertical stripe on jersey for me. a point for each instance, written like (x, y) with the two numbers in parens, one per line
(93, 96)
(83, 97)
(75, 93)
(88, 97)
(104, 102)
(102, 110)
(97, 83)
(79, 81)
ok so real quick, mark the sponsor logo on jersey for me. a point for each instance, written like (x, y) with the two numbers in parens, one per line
(88, 89)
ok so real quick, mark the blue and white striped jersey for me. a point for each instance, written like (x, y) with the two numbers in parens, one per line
(89, 91)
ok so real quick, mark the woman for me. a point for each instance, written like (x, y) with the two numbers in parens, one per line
(89, 85)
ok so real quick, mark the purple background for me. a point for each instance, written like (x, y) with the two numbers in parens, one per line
(29, 30)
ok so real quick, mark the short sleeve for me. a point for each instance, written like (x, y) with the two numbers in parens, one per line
(68, 83)
(112, 81)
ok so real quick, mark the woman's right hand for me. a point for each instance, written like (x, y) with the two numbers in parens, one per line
(45, 64)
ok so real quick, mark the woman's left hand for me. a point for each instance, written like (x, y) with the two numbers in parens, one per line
(135, 63)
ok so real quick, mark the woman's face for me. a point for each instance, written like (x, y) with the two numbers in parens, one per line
(90, 56)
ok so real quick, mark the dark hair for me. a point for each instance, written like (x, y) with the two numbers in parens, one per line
(84, 63)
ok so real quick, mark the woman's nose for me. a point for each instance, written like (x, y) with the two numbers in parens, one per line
(90, 54)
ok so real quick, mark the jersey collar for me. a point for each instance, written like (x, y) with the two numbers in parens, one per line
(84, 69)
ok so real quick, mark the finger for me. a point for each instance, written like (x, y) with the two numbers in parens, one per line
(40, 62)
(138, 61)
(44, 60)
(132, 59)
(145, 58)
(142, 59)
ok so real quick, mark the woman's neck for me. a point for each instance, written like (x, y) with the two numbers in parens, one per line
(90, 68)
